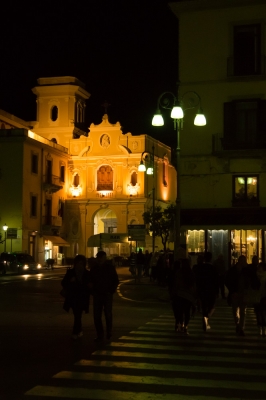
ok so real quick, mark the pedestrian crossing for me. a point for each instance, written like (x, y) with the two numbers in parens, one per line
(155, 363)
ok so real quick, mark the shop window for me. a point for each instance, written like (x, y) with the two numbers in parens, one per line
(247, 50)
(245, 191)
(196, 241)
(244, 124)
(105, 178)
(134, 178)
(34, 163)
(33, 206)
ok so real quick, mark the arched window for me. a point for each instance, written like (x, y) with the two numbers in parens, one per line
(134, 178)
(165, 173)
(76, 180)
(54, 113)
(105, 178)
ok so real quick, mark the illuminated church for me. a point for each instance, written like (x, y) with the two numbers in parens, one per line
(69, 191)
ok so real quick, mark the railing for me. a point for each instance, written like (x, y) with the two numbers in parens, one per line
(105, 194)
(247, 67)
(220, 144)
(52, 180)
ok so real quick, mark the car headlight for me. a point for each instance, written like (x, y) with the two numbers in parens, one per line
(39, 266)
(25, 266)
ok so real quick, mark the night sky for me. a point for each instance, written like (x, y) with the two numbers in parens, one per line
(126, 52)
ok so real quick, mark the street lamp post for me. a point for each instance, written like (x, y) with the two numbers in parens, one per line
(150, 171)
(5, 227)
(168, 100)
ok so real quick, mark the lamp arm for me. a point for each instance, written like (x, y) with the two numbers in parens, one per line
(196, 95)
(166, 103)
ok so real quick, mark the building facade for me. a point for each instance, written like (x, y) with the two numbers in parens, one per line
(222, 51)
(69, 191)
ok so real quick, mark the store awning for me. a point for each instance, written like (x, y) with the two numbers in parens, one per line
(57, 241)
(100, 238)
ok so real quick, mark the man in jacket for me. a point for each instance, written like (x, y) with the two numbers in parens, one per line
(104, 283)
(237, 282)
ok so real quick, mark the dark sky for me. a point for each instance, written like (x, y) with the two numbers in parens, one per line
(126, 52)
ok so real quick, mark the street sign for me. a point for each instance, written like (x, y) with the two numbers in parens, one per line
(136, 232)
(11, 233)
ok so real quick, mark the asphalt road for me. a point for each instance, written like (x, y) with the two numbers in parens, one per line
(146, 359)
(35, 332)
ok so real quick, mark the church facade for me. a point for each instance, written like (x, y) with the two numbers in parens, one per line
(81, 190)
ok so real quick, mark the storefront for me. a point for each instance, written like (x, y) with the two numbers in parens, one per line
(54, 249)
(231, 232)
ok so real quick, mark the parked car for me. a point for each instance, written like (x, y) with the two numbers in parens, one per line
(21, 263)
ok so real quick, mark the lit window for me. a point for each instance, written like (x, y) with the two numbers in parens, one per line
(105, 178)
(245, 190)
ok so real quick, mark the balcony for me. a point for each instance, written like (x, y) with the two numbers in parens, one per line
(221, 145)
(52, 183)
(250, 67)
(49, 221)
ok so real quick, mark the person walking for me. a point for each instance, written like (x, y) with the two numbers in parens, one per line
(76, 285)
(140, 261)
(237, 283)
(219, 264)
(182, 290)
(260, 305)
(207, 288)
(104, 280)
(132, 264)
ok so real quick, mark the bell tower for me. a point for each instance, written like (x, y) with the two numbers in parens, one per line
(60, 108)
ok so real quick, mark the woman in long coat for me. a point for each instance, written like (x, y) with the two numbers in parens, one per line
(76, 284)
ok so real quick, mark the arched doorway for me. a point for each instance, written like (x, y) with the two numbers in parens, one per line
(105, 221)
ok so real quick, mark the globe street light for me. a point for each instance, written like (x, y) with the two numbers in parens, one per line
(150, 171)
(5, 227)
(168, 100)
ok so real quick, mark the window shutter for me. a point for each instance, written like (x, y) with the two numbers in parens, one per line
(262, 122)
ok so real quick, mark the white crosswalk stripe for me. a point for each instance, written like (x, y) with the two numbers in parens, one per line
(154, 363)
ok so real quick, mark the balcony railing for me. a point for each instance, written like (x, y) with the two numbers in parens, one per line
(248, 67)
(220, 144)
(49, 220)
(52, 183)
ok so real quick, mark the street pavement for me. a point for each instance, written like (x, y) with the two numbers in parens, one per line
(152, 362)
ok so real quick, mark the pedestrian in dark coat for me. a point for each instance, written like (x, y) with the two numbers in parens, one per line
(104, 280)
(237, 281)
(182, 289)
(140, 262)
(207, 282)
(76, 283)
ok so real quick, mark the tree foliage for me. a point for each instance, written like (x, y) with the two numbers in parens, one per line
(161, 222)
